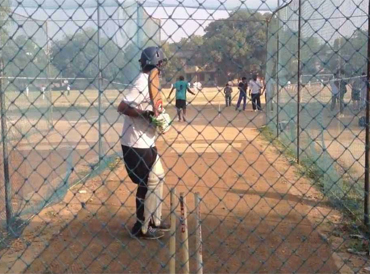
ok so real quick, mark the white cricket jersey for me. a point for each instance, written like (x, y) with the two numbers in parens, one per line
(137, 132)
(255, 86)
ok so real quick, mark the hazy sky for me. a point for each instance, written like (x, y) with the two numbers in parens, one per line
(176, 20)
(181, 26)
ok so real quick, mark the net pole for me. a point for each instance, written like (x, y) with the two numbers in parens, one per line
(367, 138)
(4, 130)
(48, 73)
(173, 232)
(267, 100)
(277, 74)
(100, 149)
(160, 31)
(198, 234)
(184, 247)
(138, 38)
(299, 79)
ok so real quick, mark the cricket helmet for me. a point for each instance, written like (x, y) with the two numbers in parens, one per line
(152, 57)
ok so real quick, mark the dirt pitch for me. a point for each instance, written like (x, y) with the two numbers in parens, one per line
(258, 215)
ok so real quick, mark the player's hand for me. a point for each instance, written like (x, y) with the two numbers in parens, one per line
(147, 115)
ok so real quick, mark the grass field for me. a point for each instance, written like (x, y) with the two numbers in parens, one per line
(258, 213)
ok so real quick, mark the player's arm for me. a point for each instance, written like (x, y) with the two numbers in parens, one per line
(128, 110)
(128, 106)
(189, 90)
(262, 87)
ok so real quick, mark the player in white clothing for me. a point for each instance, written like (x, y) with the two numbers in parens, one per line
(140, 153)
(255, 89)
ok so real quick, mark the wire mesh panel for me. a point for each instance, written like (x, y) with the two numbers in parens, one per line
(254, 159)
(287, 71)
(271, 73)
(28, 111)
(334, 85)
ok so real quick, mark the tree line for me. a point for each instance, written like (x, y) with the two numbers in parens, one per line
(232, 47)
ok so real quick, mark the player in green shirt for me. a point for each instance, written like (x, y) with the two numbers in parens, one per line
(181, 87)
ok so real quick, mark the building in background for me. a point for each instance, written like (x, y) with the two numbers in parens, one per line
(206, 75)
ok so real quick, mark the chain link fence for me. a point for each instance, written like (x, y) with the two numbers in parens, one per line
(281, 187)
(319, 67)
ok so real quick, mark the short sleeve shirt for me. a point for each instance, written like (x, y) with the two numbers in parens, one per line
(255, 86)
(137, 132)
(181, 88)
(343, 86)
(242, 87)
(228, 90)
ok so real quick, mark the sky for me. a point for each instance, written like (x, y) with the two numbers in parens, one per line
(176, 21)
(181, 26)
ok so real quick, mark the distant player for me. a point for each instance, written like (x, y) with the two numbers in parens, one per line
(140, 155)
(242, 93)
(338, 90)
(255, 90)
(228, 91)
(43, 88)
(364, 90)
(68, 89)
(357, 90)
(181, 87)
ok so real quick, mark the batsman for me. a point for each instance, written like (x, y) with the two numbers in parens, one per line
(141, 105)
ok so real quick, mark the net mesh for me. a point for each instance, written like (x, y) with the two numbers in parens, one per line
(333, 50)
(51, 70)
(272, 137)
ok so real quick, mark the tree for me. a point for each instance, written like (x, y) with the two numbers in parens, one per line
(236, 46)
(24, 58)
(349, 54)
(174, 66)
(77, 56)
(130, 63)
(4, 12)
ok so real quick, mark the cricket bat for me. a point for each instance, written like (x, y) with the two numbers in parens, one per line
(155, 93)
(162, 120)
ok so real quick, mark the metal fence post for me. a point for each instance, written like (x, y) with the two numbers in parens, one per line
(265, 83)
(138, 36)
(299, 80)
(276, 12)
(48, 75)
(100, 148)
(367, 138)
(277, 75)
(4, 130)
